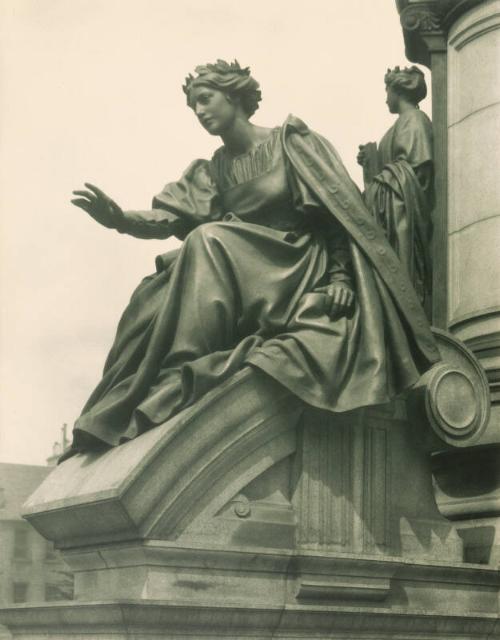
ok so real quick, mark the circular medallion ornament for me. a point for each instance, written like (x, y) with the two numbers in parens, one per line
(457, 402)
(454, 402)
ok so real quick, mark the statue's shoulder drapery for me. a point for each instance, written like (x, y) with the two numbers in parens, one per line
(321, 175)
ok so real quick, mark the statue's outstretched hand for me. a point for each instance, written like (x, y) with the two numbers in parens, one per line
(339, 299)
(98, 205)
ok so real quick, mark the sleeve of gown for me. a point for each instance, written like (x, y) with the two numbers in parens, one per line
(339, 255)
(179, 208)
(413, 140)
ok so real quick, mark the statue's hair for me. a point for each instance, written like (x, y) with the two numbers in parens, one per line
(229, 78)
(408, 82)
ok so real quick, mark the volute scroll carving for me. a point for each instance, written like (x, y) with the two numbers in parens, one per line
(420, 18)
(453, 397)
(241, 506)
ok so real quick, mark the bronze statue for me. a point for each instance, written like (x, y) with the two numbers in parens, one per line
(399, 178)
(282, 269)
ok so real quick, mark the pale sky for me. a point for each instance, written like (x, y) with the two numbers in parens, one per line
(90, 90)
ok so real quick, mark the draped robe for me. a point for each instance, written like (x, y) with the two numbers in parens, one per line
(261, 235)
(401, 196)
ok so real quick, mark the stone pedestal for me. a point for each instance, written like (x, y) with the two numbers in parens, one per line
(250, 515)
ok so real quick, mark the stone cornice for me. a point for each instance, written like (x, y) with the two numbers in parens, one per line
(421, 17)
(421, 21)
(426, 23)
(159, 618)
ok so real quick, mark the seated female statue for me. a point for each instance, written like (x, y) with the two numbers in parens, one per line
(282, 269)
(401, 194)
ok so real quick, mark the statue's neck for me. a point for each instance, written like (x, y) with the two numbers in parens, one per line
(243, 137)
(404, 107)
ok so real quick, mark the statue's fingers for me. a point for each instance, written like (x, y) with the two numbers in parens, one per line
(323, 289)
(342, 298)
(337, 296)
(98, 192)
(83, 204)
(85, 194)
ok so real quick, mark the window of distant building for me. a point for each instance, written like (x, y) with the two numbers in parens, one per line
(21, 543)
(20, 592)
(52, 593)
(61, 586)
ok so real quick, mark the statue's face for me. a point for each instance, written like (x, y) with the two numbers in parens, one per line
(215, 111)
(392, 100)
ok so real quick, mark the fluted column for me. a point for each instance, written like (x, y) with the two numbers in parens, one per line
(460, 42)
(474, 187)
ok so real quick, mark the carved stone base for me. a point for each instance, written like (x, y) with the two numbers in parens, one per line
(249, 465)
(481, 539)
(242, 594)
(364, 486)
(165, 591)
(250, 515)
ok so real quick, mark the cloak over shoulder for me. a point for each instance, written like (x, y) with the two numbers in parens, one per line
(321, 175)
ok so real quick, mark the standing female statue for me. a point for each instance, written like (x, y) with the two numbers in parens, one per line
(401, 194)
(282, 269)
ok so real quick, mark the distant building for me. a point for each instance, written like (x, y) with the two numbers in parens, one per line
(30, 569)
(59, 447)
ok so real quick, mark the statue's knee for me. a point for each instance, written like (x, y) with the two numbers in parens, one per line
(205, 233)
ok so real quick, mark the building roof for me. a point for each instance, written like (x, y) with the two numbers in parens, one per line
(17, 483)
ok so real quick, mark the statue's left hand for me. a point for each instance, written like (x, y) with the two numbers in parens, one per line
(339, 299)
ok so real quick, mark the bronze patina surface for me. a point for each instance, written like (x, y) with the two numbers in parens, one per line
(400, 189)
(282, 268)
